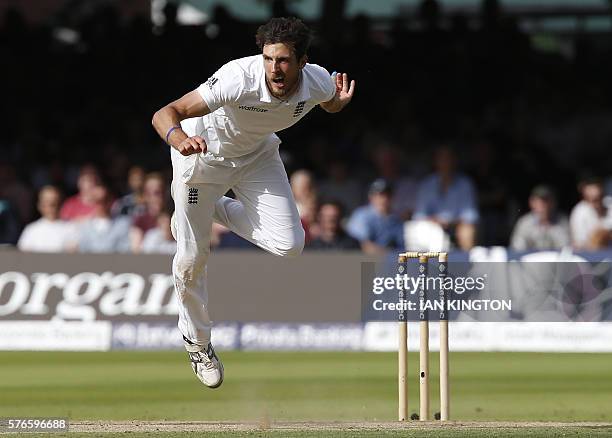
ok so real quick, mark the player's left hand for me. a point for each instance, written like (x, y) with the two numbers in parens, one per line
(344, 90)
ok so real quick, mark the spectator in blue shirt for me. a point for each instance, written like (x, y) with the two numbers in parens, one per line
(373, 225)
(447, 197)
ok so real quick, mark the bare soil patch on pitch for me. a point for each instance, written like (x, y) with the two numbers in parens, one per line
(208, 426)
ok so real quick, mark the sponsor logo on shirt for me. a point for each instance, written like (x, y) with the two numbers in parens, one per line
(299, 108)
(211, 82)
(252, 108)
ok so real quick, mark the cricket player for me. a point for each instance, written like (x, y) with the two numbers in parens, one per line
(222, 136)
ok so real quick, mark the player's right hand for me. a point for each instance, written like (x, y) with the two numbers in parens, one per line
(192, 145)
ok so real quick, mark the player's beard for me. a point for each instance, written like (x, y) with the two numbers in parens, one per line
(286, 90)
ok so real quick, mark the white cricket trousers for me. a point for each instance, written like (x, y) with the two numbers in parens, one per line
(263, 213)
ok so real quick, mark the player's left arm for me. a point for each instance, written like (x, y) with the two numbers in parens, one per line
(344, 94)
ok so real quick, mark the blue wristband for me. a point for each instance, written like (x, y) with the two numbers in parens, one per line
(170, 132)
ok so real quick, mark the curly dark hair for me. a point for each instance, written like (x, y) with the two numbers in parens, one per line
(291, 31)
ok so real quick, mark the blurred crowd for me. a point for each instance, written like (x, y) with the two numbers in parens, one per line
(463, 132)
(440, 210)
(94, 221)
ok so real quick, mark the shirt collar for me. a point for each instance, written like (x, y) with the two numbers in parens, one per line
(302, 94)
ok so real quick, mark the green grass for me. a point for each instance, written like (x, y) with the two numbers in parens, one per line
(301, 386)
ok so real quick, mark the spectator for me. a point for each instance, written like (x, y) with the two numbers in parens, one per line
(159, 239)
(154, 203)
(388, 161)
(374, 225)
(305, 194)
(49, 233)
(82, 205)
(543, 227)
(132, 204)
(331, 234)
(590, 219)
(447, 198)
(303, 187)
(101, 233)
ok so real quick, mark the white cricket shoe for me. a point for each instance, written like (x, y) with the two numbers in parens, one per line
(207, 366)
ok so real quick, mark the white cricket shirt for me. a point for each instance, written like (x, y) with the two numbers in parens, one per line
(245, 116)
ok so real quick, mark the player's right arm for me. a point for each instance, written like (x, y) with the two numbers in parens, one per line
(190, 105)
